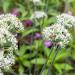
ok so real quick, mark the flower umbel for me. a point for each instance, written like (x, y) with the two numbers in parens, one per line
(8, 44)
(38, 14)
(66, 20)
(10, 22)
(57, 34)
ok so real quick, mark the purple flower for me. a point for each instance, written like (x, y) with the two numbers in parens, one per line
(37, 36)
(48, 44)
(15, 12)
(27, 23)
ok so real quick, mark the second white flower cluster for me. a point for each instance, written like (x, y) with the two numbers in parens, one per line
(58, 33)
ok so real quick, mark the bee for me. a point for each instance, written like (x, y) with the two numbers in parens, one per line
(52, 36)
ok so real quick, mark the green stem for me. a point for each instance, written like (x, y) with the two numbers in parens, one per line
(56, 52)
(28, 6)
(46, 9)
(46, 61)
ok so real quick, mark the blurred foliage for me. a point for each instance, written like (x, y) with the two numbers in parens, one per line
(32, 55)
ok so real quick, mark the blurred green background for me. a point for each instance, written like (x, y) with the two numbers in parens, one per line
(32, 52)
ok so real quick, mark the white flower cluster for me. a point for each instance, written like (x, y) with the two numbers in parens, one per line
(66, 20)
(8, 43)
(9, 25)
(57, 34)
(7, 59)
(38, 14)
(10, 22)
(6, 38)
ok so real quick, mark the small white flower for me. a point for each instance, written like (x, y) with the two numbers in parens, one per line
(39, 14)
(66, 20)
(56, 33)
(6, 37)
(1, 54)
(1, 73)
(7, 61)
(36, 2)
(10, 22)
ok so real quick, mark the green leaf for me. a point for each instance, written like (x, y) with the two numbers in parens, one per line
(26, 63)
(64, 53)
(44, 72)
(29, 31)
(22, 50)
(64, 66)
(38, 61)
(21, 70)
(22, 10)
(6, 4)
